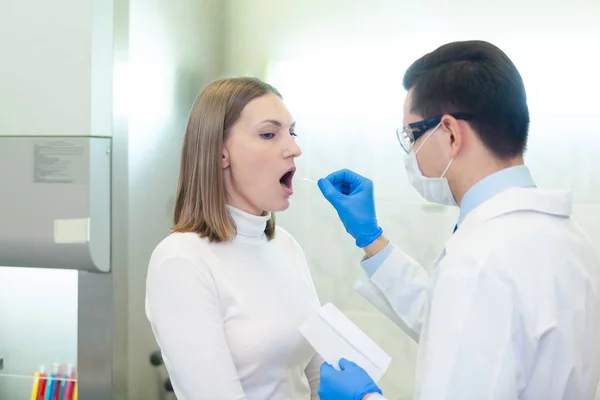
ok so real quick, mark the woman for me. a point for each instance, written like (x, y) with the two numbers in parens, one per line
(227, 290)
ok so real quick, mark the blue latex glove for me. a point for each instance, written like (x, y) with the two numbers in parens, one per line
(351, 383)
(352, 197)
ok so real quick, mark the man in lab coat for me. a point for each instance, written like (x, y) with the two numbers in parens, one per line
(512, 308)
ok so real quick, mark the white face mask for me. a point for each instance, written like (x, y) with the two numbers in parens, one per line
(435, 190)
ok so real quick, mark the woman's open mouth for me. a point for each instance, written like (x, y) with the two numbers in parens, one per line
(286, 180)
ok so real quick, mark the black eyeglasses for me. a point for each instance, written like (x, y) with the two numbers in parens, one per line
(409, 134)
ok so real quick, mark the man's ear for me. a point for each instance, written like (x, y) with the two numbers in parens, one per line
(225, 161)
(456, 133)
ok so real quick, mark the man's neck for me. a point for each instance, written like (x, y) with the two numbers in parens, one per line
(477, 173)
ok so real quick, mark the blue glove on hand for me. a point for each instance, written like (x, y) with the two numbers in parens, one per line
(351, 383)
(352, 197)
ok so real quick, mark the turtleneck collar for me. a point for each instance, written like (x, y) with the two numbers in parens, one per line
(248, 224)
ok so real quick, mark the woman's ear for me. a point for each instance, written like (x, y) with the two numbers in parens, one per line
(225, 161)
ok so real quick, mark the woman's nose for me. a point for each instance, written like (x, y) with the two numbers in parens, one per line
(292, 149)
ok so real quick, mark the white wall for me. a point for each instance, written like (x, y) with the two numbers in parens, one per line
(56, 69)
(339, 65)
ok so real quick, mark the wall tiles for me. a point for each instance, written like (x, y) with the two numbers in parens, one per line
(563, 153)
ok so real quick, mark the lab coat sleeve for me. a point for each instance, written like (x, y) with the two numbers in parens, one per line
(183, 309)
(399, 289)
(313, 374)
(468, 352)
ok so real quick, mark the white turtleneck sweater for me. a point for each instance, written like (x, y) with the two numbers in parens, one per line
(226, 315)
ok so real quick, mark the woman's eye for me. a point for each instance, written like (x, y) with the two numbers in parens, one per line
(294, 134)
(267, 135)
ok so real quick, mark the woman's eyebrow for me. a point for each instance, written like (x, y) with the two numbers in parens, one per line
(276, 123)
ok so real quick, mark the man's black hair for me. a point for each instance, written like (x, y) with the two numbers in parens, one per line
(476, 78)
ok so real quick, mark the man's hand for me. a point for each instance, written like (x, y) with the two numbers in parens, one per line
(352, 197)
(351, 383)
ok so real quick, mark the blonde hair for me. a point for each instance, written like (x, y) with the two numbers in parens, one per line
(201, 205)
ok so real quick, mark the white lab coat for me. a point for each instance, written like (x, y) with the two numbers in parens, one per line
(512, 309)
